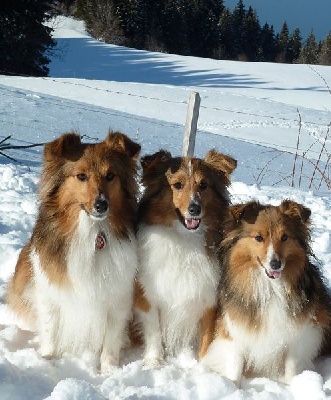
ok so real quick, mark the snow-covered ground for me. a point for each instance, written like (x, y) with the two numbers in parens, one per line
(251, 111)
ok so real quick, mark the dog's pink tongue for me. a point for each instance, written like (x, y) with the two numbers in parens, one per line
(274, 274)
(192, 223)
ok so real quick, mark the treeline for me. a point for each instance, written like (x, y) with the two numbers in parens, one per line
(25, 40)
(202, 28)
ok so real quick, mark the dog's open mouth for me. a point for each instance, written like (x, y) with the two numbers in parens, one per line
(273, 274)
(192, 223)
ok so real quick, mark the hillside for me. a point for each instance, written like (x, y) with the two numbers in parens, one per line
(248, 110)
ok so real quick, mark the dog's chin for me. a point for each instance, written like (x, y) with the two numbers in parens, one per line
(192, 224)
(98, 217)
(273, 274)
(95, 216)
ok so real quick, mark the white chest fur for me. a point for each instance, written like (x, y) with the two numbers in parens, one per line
(174, 267)
(100, 292)
(280, 335)
(179, 279)
(98, 273)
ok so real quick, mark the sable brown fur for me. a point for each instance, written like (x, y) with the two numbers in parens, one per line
(161, 171)
(173, 186)
(244, 291)
(61, 162)
(62, 196)
(306, 288)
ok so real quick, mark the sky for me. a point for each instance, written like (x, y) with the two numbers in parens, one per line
(307, 15)
(251, 111)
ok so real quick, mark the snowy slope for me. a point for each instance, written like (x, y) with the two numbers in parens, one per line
(248, 110)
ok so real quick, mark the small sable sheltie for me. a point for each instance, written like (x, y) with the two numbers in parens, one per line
(274, 308)
(179, 216)
(74, 280)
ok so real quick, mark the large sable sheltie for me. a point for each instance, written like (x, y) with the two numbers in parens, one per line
(179, 216)
(274, 308)
(74, 279)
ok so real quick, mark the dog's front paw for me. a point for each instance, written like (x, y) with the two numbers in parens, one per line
(152, 363)
(47, 351)
(108, 362)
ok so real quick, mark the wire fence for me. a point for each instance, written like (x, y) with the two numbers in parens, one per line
(74, 106)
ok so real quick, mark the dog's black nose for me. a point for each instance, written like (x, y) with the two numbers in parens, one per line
(101, 206)
(194, 209)
(275, 264)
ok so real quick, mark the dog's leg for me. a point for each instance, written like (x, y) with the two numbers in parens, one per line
(48, 324)
(302, 351)
(207, 329)
(224, 356)
(148, 318)
(113, 340)
(153, 356)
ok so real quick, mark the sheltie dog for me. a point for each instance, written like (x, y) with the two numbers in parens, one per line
(274, 307)
(74, 280)
(179, 216)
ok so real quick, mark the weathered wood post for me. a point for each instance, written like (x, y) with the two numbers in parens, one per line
(191, 124)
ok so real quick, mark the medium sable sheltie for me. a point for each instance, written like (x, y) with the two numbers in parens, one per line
(274, 308)
(183, 206)
(74, 279)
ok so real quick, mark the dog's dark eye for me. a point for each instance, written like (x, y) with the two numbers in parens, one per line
(284, 237)
(81, 177)
(177, 185)
(110, 176)
(203, 185)
(259, 238)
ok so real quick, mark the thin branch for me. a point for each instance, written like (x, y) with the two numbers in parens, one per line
(6, 138)
(323, 176)
(319, 157)
(322, 77)
(296, 149)
(328, 159)
(302, 159)
(7, 156)
(4, 146)
(264, 170)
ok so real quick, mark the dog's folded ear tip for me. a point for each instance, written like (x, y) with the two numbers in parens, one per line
(121, 142)
(66, 143)
(295, 210)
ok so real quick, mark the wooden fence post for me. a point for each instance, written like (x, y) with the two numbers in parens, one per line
(191, 124)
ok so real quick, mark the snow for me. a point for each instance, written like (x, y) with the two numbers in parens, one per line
(248, 110)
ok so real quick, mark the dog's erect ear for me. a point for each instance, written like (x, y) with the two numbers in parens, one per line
(220, 162)
(246, 212)
(295, 210)
(160, 158)
(67, 146)
(123, 144)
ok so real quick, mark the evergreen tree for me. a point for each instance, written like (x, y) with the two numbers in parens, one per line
(24, 39)
(325, 53)
(310, 51)
(131, 17)
(202, 24)
(174, 26)
(267, 44)
(64, 6)
(294, 46)
(251, 31)
(154, 38)
(226, 34)
(283, 40)
(102, 19)
(239, 40)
